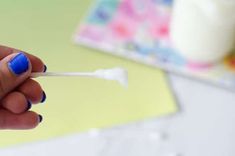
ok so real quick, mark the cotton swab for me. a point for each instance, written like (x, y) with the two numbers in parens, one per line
(114, 74)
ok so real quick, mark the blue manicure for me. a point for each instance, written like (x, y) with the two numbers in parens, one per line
(40, 118)
(45, 68)
(19, 64)
(29, 105)
(43, 97)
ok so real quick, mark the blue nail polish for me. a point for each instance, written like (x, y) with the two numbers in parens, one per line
(19, 64)
(45, 68)
(40, 118)
(29, 106)
(43, 97)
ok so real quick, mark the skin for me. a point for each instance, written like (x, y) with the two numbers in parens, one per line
(16, 91)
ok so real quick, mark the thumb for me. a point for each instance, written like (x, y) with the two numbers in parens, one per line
(14, 69)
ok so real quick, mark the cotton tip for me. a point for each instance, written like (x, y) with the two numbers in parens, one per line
(116, 74)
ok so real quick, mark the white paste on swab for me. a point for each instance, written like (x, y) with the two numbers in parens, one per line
(117, 74)
(114, 74)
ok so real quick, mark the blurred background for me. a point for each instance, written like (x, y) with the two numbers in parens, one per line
(159, 114)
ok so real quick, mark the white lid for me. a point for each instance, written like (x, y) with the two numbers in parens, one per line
(219, 11)
(222, 2)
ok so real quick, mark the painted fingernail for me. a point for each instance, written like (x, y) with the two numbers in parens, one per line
(45, 68)
(43, 97)
(40, 118)
(29, 105)
(19, 64)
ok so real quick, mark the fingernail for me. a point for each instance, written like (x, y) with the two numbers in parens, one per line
(45, 68)
(29, 105)
(40, 118)
(19, 64)
(43, 97)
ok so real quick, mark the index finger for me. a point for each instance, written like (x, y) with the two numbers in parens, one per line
(37, 63)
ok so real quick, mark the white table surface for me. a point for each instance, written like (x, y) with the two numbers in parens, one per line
(204, 127)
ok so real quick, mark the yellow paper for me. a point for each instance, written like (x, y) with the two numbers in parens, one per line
(44, 28)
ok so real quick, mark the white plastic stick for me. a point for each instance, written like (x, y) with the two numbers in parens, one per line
(67, 74)
(115, 74)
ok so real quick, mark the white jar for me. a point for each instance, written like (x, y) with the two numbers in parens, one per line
(203, 31)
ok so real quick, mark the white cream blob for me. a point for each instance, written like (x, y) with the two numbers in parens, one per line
(115, 74)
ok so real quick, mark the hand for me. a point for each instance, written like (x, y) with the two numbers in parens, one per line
(17, 90)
